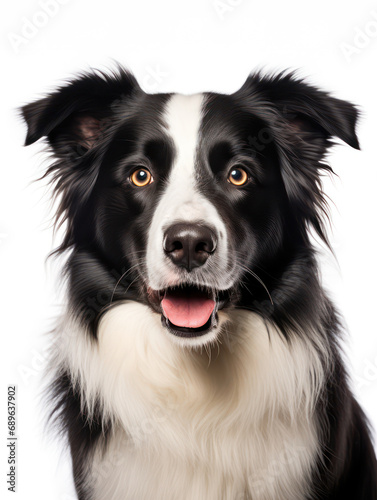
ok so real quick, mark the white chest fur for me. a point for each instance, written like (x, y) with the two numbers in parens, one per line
(233, 422)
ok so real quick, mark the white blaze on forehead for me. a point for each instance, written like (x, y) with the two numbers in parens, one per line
(183, 117)
(181, 200)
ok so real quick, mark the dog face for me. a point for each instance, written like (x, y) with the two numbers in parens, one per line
(189, 199)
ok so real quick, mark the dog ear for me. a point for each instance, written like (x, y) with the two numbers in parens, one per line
(310, 114)
(304, 119)
(75, 117)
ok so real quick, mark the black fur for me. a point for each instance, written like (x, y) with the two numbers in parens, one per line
(100, 126)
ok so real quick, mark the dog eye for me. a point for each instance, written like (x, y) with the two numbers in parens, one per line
(238, 176)
(141, 177)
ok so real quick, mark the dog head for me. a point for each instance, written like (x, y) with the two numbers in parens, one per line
(196, 202)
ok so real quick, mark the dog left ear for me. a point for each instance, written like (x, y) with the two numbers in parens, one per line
(75, 117)
(311, 114)
(80, 129)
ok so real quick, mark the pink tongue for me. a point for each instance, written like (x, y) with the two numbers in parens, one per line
(189, 311)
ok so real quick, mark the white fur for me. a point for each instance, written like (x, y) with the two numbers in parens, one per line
(182, 201)
(233, 422)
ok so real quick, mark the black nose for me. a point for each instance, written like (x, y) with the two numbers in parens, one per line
(189, 245)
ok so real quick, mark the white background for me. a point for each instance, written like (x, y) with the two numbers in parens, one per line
(185, 47)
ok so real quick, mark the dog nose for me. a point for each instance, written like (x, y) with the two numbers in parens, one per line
(189, 245)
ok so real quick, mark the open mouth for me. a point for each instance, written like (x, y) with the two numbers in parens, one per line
(189, 311)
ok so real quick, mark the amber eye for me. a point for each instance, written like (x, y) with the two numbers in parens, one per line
(141, 177)
(238, 176)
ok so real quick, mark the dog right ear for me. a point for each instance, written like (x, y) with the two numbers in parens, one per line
(75, 117)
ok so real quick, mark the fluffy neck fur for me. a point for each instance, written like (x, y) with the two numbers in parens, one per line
(231, 408)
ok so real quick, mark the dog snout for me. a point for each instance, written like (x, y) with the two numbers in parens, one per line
(189, 245)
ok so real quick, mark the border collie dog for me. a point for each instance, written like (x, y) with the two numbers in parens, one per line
(198, 357)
